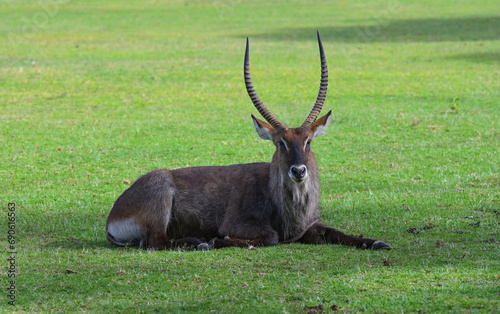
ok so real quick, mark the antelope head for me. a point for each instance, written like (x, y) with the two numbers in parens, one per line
(293, 145)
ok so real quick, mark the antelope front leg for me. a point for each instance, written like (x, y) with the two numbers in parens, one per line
(247, 235)
(160, 242)
(219, 243)
(322, 234)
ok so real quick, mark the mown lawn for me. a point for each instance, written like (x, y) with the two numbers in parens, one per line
(93, 94)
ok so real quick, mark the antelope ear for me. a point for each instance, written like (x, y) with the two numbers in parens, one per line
(319, 127)
(264, 129)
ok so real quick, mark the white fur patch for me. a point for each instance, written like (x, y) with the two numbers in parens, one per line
(127, 231)
(299, 192)
(305, 143)
(284, 143)
(321, 130)
(263, 132)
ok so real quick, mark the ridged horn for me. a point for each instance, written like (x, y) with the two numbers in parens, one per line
(322, 90)
(270, 118)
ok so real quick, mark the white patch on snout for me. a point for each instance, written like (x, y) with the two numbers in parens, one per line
(290, 173)
(126, 232)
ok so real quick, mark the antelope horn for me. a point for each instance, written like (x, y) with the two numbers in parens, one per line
(322, 90)
(270, 118)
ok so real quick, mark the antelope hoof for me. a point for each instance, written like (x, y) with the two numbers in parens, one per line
(380, 245)
(203, 247)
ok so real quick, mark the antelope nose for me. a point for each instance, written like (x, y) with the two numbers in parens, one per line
(298, 172)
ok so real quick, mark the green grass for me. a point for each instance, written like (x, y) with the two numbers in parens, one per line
(98, 93)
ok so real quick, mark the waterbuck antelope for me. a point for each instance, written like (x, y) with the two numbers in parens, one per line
(239, 205)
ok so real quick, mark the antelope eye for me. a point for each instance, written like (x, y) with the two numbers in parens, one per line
(281, 143)
(309, 142)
